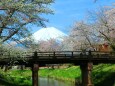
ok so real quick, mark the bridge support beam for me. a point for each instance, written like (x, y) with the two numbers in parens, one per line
(86, 72)
(35, 69)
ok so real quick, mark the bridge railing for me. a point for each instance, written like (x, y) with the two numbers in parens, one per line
(74, 54)
(57, 55)
(62, 54)
(102, 54)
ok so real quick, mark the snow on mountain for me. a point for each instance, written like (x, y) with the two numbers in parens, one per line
(45, 34)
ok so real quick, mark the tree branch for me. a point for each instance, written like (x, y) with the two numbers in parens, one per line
(4, 23)
(16, 31)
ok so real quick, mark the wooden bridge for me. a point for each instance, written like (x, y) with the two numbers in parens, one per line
(85, 60)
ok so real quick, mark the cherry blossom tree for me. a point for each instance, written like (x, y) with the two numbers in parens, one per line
(83, 35)
(16, 15)
(105, 24)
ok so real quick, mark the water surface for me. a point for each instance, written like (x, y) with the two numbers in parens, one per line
(53, 82)
(45, 82)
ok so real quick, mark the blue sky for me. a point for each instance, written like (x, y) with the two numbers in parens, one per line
(66, 12)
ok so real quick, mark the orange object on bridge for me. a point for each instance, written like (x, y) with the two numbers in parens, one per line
(104, 47)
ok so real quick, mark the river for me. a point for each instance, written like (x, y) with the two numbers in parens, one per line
(46, 82)
(52, 82)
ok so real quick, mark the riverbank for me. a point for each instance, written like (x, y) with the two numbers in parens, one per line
(103, 75)
(65, 74)
(23, 77)
(16, 77)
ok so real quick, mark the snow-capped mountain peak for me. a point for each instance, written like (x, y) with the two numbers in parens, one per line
(45, 34)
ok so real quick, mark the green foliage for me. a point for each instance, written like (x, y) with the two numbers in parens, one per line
(66, 74)
(17, 77)
(103, 75)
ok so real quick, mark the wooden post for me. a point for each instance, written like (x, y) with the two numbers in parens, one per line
(35, 68)
(72, 54)
(90, 55)
(86, 71)
(54, 54)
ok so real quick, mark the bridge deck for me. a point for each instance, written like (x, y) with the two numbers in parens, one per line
(59, 57)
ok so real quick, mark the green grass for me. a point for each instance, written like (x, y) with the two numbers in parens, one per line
(16, 77)
(66, 74)
(103, 75)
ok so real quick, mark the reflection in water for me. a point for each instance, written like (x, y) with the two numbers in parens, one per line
(46, 82)
(52, 82)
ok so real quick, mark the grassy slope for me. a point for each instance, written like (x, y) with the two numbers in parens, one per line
(16, 77)
(67, 74)
(103, 75)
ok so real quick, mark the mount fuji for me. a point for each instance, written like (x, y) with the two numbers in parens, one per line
(45, 34)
